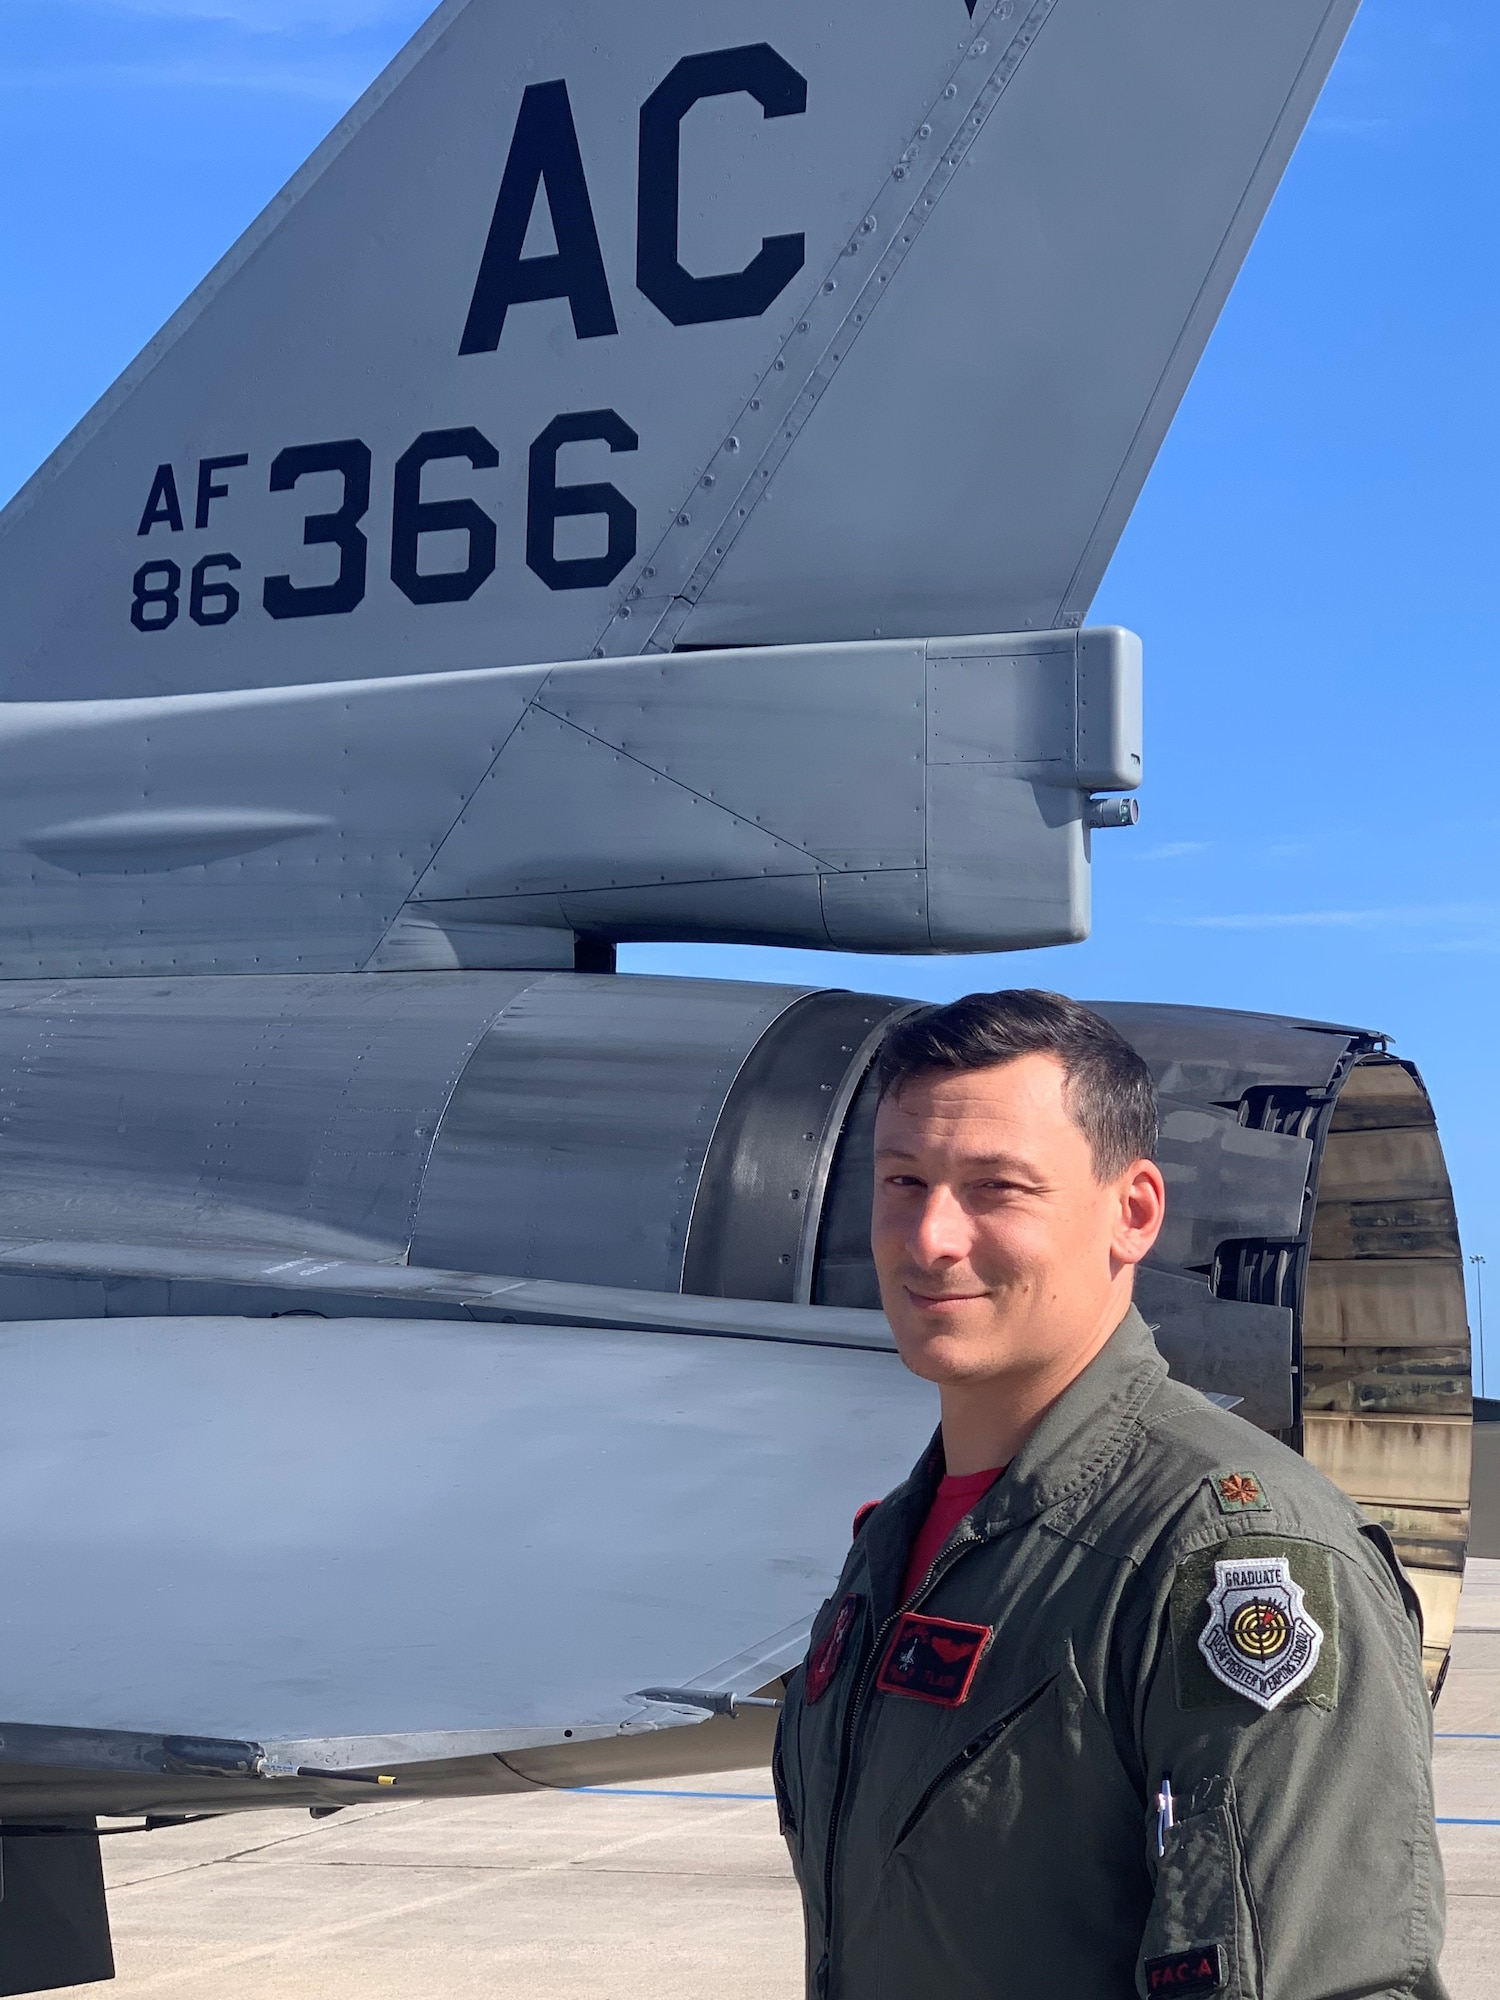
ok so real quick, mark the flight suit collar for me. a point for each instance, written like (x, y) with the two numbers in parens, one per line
(1087, 1428)
(1084, 1432)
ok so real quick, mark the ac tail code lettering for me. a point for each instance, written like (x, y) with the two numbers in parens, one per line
(546, 163)
(688, 301)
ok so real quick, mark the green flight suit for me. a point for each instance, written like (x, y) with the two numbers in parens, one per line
(1155, 1590)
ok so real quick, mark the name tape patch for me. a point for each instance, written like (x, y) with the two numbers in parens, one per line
(823, 1660)
(1260, 1638)
(1200, 1970)
(932, 1659)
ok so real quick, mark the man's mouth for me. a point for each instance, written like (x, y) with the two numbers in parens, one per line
(937, 1301)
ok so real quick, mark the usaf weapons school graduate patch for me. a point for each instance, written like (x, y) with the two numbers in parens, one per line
(1259, 1639)
(1255, 1617)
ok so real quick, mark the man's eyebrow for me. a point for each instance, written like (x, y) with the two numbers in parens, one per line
(1011, 1160)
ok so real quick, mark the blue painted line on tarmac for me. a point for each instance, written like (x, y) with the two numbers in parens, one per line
(645, 1792)
(1469, 1735)
(648, 1792)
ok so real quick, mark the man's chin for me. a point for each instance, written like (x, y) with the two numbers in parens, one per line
(945, 1353)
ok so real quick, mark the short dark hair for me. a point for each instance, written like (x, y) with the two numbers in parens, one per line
(1108, 1090)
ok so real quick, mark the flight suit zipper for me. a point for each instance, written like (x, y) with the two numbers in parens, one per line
(970, 1751)
(939, 1567)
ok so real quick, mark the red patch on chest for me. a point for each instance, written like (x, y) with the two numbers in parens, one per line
(823, 1660)
(1200, 1970)
(950, 1651)
(932, 1659)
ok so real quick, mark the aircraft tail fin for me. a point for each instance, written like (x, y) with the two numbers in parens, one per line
(579, 337)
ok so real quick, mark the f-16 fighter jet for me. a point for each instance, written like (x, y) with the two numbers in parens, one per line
(644, 478)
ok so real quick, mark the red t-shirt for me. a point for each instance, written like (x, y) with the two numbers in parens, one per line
(957, 1493)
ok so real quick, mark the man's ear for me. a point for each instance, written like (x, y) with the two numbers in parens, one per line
(1142, 1210)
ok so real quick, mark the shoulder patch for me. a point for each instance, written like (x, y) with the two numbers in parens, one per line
(1239, 1493)
(1255, 1618)
(825, 1658)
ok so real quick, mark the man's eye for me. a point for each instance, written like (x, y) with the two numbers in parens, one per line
(902, 1181)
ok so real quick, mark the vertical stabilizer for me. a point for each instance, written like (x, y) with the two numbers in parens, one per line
(608, 329)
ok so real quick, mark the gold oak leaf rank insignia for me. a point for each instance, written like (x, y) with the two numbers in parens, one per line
(1240, 1493)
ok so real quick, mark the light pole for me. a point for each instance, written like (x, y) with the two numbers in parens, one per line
(1478, 1262)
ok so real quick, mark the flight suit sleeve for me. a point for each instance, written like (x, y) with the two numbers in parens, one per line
(1282, 1707)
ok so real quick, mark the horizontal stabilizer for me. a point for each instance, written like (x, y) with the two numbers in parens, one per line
(361, 1543)
(895, 795)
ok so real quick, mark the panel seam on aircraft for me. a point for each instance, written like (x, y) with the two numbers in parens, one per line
(753, 825)
(457, 903)
(441, 840)
(781, 417)
(414, 895)
(451, 1085)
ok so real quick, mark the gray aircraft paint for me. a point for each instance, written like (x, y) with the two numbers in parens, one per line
(1016, 234)
(366, 1603)
(890, 796)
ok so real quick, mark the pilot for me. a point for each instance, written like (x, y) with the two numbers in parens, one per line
(1116, 1694)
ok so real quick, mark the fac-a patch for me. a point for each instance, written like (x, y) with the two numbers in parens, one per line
(1200, 1970)
(932, 1659)
(1239, 1493)
(1255, 1617)
(823, 1660)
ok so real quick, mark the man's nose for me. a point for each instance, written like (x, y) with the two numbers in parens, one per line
(942, 1234)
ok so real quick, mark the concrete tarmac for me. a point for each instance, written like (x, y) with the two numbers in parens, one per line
(673, 1892)
(1466, 1761)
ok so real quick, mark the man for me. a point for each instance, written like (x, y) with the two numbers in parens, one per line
(1116, 1694)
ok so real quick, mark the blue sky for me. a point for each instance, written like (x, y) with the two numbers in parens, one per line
(1306, 566)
